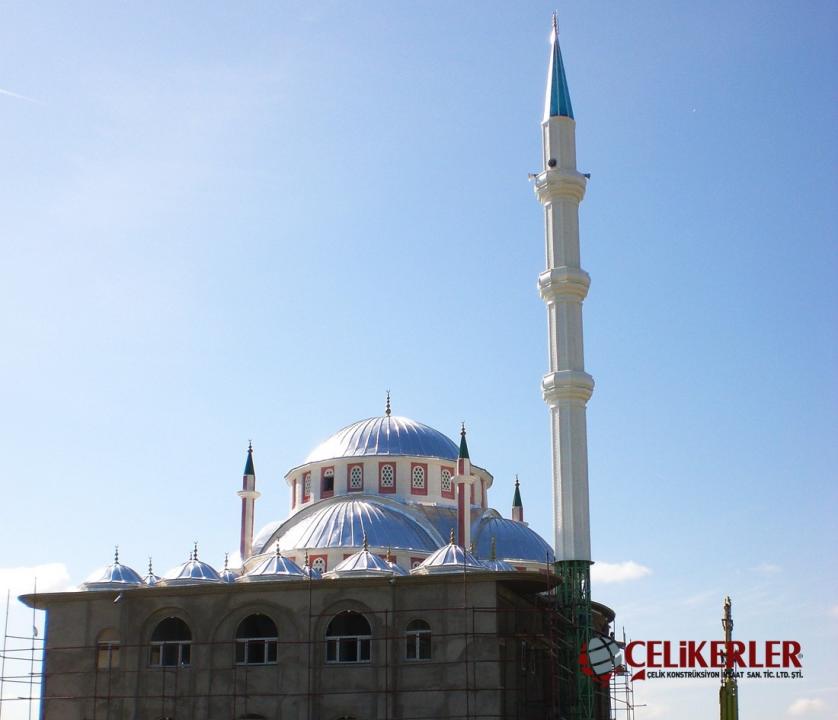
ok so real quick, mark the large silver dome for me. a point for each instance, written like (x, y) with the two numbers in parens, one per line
(385, 435)
(344, 521)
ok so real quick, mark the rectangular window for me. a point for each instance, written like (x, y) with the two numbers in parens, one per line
(256, 651)
(355, 478)
(170, 654)
(327, 485)
(107, 655)
(418, 479)
(387, 477)
(348, 650)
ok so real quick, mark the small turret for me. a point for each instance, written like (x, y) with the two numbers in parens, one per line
(463, 482)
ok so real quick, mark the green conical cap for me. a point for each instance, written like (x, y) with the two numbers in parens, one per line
(463, 444)
(248, 466)
(516, 498)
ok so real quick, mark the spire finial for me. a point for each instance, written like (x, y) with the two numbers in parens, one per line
(150, 571)
(366, 546)
(451, 537)
(306, 562)
(387, 405)
(494, 555)
(462, 428)
(389, 554)
(517, 484)
(116, 554)
(226, 559)
(195, 550)
(555, 22)
(471, 547)
(278, 554)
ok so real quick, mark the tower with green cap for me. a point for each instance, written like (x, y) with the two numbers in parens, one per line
(566, 386)
(248, 494)
(463, 481)
(517, 505)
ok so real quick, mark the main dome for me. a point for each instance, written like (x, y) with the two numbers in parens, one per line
(385, 435)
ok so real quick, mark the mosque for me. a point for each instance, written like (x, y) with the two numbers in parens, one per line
(392, 589)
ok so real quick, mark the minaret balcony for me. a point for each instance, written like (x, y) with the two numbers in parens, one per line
(563, 283)
(567, 385)
(557, 183)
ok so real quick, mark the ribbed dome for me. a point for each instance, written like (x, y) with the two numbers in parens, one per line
(449, 558)
(115, 575)
(361, 564)
(385, 435)
(274, 567)
(191, 572)
(344, 521)
(514, 541)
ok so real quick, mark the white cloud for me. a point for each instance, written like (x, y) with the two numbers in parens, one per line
(806, 706)
(766, 568)
(604, 572)
(52, 577)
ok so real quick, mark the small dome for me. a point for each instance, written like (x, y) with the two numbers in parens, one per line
(343, 521)
(227, 575)
(361, 564)
(311, 573)
(150, 578)
(385, 435)
(514, 540)
(113, 576)
(274, 567)
(449, 558)
(192, 572)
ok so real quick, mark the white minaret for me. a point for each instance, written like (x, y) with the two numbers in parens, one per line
(248, 494)
(563, 287)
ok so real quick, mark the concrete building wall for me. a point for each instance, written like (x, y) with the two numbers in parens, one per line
(473, 670)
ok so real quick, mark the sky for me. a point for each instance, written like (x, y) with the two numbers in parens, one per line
(223, 222)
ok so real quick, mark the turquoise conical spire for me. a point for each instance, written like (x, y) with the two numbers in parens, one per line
(557, 102)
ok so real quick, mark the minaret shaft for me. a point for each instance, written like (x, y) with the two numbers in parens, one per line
(566, 387)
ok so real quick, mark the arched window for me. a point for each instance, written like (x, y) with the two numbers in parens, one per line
(256, 640)
(107, 650)
(418, 640)
(348, 639)
(171, 643)
(356, 477)
(327, 487)
(418, 479)
(386, 478)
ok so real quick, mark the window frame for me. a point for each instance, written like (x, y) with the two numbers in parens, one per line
(111, 648)
(447, 493)
(337, 644)
(418, 640)
(349, 469)
(424, 489)
(324, 493)
(162, 649)
(387, 488)
(306, 487)
(266, 643)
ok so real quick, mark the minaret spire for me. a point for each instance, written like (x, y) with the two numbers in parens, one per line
(517, 505)
(557, 100)
(248, 494)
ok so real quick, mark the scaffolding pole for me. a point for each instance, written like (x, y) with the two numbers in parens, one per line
(573, 600)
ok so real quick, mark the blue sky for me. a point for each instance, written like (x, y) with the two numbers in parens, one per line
(221, 223)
